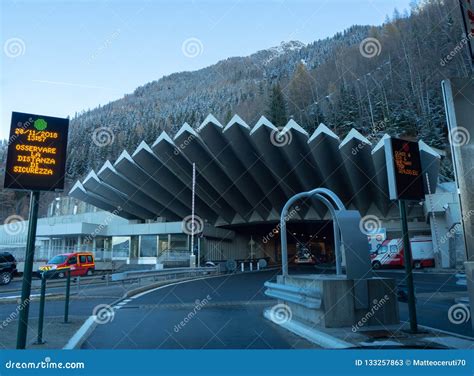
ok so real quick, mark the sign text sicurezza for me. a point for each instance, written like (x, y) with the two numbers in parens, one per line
(36, 157)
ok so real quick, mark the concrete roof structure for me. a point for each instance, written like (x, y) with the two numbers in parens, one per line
(244, 174)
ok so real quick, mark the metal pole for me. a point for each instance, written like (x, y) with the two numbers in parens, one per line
(199, 251)
(408, 268)
(27, 271)
(192, 210)
(66, 304)
(39, 340)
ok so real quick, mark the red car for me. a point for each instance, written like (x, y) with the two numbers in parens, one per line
(80, 264)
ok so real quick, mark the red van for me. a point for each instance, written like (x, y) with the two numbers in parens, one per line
(80, 264)
(391, 255)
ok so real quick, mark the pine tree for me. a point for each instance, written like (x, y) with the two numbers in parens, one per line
(300, 93)
(277, 107)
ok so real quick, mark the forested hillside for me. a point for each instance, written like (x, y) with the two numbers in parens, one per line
(391, 85)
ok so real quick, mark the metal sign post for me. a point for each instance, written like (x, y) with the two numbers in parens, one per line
(408, 268)
(405, 183)
(28, 271)
(39, 340)
(193, 219)
(66, 300)
(36, 161)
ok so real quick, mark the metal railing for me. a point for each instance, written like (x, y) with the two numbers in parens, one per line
(162, 275)
(309, 298)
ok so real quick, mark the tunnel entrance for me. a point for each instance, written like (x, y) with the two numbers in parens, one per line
(315, 237)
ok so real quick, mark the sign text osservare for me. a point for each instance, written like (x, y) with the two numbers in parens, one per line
(36, 156)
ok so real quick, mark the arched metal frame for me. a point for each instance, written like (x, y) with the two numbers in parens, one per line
(332, 201)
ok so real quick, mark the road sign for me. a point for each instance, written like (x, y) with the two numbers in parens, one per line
(405, 178)
(36, 156)
(405, 182)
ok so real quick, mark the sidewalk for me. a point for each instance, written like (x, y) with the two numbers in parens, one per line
(56, 333)
(377, 337)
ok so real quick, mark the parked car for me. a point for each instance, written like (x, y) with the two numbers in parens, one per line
(7, 268)
(391, 253)
(80, 264)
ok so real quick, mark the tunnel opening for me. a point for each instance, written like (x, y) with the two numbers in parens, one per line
(313, 237)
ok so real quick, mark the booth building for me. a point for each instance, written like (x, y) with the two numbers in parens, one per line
(137, 209)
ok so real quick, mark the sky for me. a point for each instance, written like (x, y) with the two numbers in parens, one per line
(63, 57)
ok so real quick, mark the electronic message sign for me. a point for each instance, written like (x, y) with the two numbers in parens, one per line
(36, 156)
(405, 177)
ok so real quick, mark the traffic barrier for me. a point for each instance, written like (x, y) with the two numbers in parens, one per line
(163, 274)
(309, 298)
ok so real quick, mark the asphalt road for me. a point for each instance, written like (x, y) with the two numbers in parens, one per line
(435, 294)
(425, 281)
(230, 316)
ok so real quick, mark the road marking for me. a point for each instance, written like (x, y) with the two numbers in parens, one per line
(19, 296)
(176, 283)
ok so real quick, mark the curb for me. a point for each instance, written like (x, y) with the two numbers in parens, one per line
(81, 335)
(8, 300)
(309, 333)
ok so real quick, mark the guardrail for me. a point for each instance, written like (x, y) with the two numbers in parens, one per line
(309, 298)
(461, 279)
(163, 274)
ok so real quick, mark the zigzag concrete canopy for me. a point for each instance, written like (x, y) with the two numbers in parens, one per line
(244, 174)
